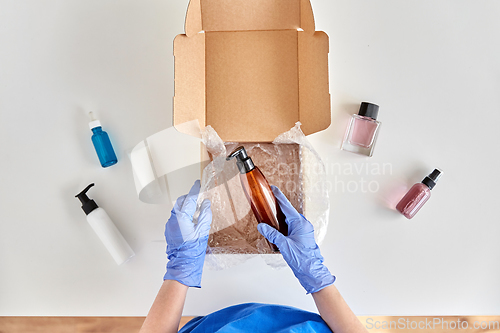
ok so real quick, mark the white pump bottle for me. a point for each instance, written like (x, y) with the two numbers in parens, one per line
(105, 229)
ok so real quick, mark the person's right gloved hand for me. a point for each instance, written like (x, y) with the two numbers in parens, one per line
(299, 249)
(187, 241)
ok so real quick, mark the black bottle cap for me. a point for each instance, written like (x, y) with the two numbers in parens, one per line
(432, 178)
(244, 163)
(368, 110)
(88, 205)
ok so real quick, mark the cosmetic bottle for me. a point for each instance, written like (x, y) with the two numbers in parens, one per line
(105, 229)
(418, 195)
(362, 132)
(259, 194)
(102, 144)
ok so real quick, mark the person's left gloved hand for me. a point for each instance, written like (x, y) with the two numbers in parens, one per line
(299, 249)
(187, 241)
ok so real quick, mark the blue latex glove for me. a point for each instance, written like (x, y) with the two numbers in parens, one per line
(187, 241)
(299, 249)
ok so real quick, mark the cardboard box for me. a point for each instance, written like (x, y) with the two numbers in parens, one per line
(251, 69)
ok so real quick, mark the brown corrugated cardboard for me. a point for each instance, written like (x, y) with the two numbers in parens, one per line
(251, 69)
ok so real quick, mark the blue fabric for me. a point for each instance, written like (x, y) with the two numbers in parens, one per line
(255, 317)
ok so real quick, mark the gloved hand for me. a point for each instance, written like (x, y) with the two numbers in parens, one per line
(187, 241)
(299, 249)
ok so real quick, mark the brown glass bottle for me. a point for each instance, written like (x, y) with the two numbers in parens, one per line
(259, 194)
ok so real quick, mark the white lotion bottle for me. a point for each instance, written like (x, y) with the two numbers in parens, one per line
(109, 235)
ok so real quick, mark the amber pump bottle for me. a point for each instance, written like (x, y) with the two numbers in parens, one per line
(259, 194)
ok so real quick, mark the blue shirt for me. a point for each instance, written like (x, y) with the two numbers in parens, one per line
(255, 317)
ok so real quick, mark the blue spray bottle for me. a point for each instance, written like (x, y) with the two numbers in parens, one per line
(101, 142)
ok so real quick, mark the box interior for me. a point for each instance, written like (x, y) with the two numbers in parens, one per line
(251, 69)
(281, 165)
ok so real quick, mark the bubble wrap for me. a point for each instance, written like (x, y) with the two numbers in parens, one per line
(290, 163)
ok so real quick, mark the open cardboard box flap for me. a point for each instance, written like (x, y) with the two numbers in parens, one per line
(251, 69)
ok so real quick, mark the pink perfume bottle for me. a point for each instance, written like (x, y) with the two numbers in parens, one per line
(418, 195)
(363, 129)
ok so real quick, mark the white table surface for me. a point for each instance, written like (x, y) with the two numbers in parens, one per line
(432, 66)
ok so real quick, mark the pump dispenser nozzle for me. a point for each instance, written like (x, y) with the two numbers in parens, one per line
(88, 205)
(244, 163)
(432, 178)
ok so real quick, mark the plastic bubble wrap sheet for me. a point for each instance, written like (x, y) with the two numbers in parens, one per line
(290, 163)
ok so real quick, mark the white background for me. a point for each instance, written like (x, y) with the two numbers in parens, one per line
(432, 66)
